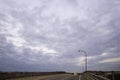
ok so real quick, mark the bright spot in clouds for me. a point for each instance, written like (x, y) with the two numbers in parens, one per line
(110, 60)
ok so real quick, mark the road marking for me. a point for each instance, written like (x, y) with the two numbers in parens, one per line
(80, 77)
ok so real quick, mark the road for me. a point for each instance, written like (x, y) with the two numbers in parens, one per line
(51, 77)
(62, 77)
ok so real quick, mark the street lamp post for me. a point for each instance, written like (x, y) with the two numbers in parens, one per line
(85, 58)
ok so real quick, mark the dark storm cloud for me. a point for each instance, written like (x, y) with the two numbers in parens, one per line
(47, 35)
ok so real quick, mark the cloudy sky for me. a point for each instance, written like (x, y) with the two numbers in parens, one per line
(45, 35)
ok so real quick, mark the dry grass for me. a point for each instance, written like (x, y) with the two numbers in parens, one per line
(36, 77)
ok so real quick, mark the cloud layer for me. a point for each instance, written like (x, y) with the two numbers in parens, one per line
(43, 35)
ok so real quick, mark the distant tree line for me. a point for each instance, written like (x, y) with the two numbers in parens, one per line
(9, 75)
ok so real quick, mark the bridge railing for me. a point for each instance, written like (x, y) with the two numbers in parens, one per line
(99, 77)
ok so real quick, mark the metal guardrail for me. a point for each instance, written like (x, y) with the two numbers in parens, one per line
(100, 77)
(91, 76)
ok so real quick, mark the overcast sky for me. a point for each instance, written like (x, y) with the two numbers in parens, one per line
(45, 35)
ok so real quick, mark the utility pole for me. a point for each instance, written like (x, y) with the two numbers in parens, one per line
(85, 58)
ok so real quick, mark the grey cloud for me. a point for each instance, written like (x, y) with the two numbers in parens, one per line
(91, 28)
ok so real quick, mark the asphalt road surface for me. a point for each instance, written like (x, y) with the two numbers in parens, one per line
(62, 77)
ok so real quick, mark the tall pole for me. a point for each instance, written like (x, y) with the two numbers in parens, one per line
(85, 58)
